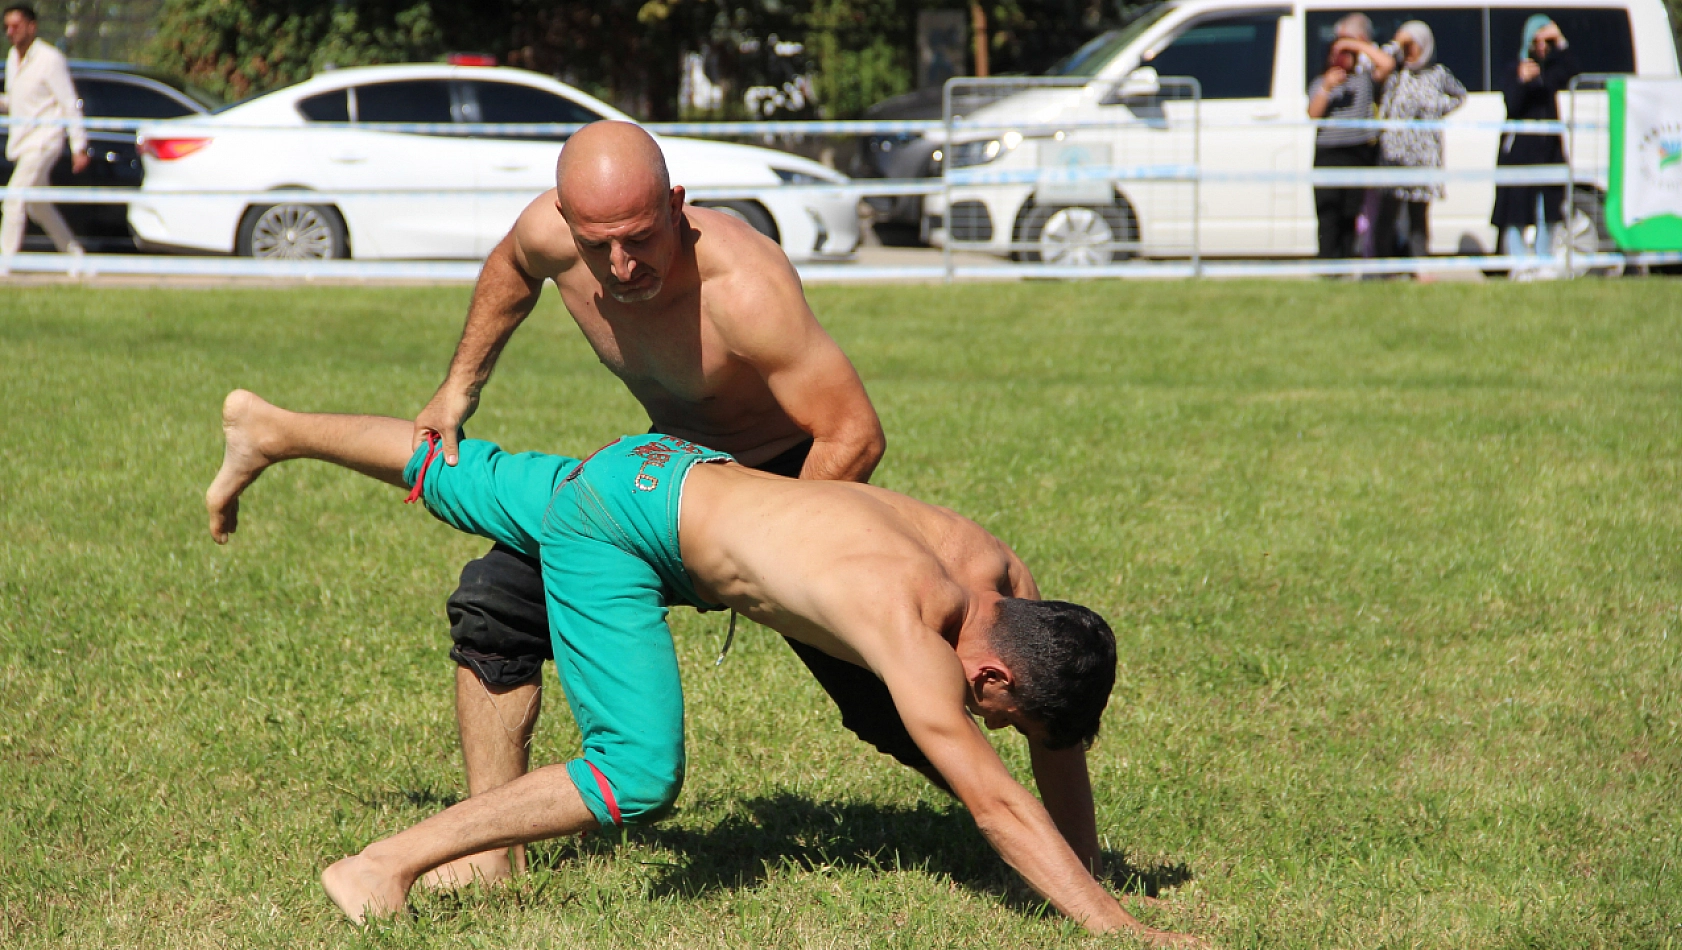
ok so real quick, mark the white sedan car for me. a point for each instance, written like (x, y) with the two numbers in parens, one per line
(427, 194)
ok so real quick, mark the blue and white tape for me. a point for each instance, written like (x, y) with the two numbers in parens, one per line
(169, 267)
(188, 127)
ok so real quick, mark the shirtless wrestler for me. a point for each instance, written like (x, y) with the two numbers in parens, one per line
(951, 625)
(704, 320)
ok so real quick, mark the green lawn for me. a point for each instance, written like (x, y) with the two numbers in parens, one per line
(1395, 573)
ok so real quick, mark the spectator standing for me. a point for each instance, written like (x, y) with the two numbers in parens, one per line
(1531, 87)
(1420, 90)
(1345, 91)
(40, 98)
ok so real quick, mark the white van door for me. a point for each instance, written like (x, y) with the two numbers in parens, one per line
(1233, 56)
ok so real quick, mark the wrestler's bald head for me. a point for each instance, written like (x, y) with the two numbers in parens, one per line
(611, 170)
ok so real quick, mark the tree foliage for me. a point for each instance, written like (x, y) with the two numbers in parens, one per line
(630, 52)
(238, 48)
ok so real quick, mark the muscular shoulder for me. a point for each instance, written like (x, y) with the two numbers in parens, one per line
(543, 244)
(750, 292)
(967, 554)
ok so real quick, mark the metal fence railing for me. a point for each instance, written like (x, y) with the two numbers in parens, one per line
(1056, 179)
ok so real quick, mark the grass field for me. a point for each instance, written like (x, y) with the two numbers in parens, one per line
(1395, 573)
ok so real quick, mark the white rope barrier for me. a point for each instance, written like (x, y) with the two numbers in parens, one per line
(171, 267)
(1372, 177)
(190, 126)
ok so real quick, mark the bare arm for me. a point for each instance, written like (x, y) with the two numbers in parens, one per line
(1383, 64)
(1061, 776)
(502, 299)
(1066, 789)
(927, 683)
(1319, 100)
(765, 320)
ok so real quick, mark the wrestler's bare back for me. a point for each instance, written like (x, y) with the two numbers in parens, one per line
(686, 354)
(842, 567)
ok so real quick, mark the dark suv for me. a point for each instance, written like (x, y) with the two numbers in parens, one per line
(109, 91)
(898, 217)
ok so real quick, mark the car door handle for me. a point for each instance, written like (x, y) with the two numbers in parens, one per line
(510, 168)
(1265, 114)
(348, 159)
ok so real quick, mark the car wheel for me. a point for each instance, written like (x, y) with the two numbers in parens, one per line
(292, 232)
(750, 211)
(1075, 235)
(1585, 229)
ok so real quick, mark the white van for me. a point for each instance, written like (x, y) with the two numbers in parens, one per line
(1254, 61)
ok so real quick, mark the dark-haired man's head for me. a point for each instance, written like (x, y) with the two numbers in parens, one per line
(1062, 665)
(20, 25)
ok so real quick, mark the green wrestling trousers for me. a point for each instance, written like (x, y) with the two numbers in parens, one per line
(605, 531)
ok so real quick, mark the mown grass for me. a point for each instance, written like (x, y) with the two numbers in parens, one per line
(1395, 573)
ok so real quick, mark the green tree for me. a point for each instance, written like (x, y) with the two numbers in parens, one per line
(859, 52)
(629, 52)
(237, 49)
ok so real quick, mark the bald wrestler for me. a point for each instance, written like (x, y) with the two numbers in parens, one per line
(951, 625)
(704, 321)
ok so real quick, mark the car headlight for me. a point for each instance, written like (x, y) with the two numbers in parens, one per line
(800, 178)
(982, 151)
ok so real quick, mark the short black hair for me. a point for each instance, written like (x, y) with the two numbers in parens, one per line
(23, 8)
(1062, 665)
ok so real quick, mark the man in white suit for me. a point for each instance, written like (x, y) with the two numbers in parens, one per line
(40, 98)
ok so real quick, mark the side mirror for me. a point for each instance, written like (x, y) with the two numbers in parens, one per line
(1141, 83)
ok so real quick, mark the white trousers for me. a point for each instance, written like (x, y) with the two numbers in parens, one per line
(32, 170)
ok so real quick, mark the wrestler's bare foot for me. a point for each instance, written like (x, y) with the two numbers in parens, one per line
(488, 867)
(242, 461)
(363, 889)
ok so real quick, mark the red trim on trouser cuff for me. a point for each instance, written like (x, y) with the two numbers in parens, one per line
(420, 480)
(607, 792)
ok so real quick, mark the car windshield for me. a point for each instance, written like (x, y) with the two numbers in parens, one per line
(1091, 58)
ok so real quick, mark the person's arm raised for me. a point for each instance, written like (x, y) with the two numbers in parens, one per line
(764, 319)
(1320, 95)
(504, 296)
(1383, 64)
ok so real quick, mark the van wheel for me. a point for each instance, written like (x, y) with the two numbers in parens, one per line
(292, 232)
(750, 211)
(1075, 235)
(1585, 228)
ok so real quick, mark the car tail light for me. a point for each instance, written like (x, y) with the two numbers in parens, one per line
(470, 59)
(168, 150)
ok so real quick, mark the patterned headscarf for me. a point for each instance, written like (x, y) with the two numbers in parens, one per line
(1422, 37)
(1532, 27)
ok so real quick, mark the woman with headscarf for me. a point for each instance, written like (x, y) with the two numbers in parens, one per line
(1422, 89)
(1531, 87)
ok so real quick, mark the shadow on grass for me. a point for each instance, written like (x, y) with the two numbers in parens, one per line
(762, 835)
(426, 797)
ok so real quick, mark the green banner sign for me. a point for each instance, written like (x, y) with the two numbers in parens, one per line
(1644, 194)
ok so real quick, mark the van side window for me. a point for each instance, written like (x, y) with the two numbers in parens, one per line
(1599, 36)
(1231, 56)
(1458, 31)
